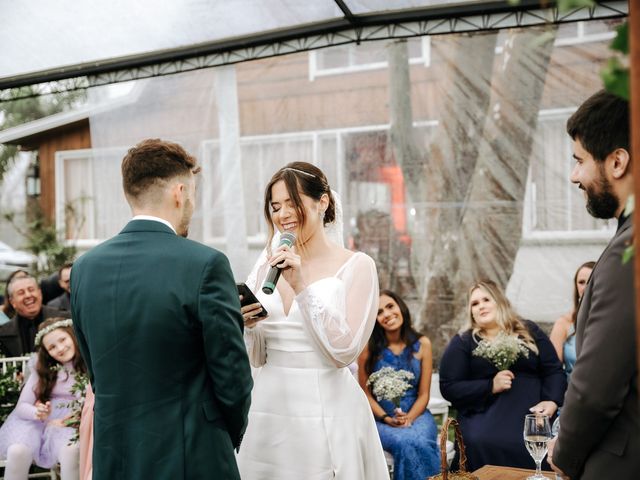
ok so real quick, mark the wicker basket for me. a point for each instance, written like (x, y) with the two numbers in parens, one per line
(446, 474)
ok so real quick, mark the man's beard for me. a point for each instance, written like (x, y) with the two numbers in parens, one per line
(187, 213)
(602, 203)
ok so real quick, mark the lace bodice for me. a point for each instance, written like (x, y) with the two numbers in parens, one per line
(333, 316)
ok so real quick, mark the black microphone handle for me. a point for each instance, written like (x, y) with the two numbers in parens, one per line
(273, 275)
(271, 280)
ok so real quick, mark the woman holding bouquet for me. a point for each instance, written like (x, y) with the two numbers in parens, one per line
(35, 431)
(309, 419)
(496, 371)
(408, 431)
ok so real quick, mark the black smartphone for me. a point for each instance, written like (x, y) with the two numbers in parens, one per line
(248, 298)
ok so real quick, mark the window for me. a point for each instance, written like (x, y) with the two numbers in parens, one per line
(554, 207)
(224, 212)
(352, 57)
(574, 33)
(84, 179)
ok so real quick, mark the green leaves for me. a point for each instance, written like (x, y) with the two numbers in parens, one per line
(615, 74)
(621, 42)
(9, 392)
(565, 5)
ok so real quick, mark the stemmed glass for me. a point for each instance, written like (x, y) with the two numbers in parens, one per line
(537, 432)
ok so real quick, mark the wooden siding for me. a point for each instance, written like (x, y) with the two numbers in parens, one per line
(73, 138)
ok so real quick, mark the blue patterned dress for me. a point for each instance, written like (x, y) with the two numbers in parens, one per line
(415, 450)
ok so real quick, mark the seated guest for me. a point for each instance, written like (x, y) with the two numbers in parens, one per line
(409, 433)
(50, 287)
(34, 432)
(493, 396)
(63, 301)
(17, 336)
(563, 333)
(6, 310)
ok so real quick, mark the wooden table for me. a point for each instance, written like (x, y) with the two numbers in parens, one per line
(491, 472)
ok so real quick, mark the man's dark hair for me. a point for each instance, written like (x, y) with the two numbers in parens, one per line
(63, 267)
(601, 124)
(152, 161)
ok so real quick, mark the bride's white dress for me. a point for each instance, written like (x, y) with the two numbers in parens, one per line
(309, 418)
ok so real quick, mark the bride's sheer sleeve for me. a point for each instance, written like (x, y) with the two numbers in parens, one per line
(254, 337)
(341, 321)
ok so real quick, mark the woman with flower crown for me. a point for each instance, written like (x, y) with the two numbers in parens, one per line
(35, 431)
(497, 370)
(309, 418)
(408, 432)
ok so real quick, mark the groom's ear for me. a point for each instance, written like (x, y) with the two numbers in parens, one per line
(178, 192)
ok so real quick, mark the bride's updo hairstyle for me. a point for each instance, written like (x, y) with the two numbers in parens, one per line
(300, 178)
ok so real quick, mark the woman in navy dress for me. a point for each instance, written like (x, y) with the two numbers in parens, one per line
(409, 434)
(492, 404)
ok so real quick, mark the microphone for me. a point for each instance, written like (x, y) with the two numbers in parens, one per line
(269, 284)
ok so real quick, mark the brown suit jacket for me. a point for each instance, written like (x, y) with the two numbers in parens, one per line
(599, 424)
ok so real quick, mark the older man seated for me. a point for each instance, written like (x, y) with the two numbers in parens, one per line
(17, 336)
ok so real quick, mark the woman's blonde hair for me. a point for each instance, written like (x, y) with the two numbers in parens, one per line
(507, 319)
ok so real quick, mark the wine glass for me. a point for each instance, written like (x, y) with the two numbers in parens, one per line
(537, 432)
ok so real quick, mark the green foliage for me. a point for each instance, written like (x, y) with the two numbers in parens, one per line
(615, 74)
(9, 392)
(42, 239)
(616, 78)
(79, 391)
(621, 42)
(565, 5)
(31, 106)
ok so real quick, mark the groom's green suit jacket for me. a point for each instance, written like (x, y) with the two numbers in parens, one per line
(158, 322)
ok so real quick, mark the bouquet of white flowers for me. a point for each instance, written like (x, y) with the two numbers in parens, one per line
(390, 384)
(502, 351)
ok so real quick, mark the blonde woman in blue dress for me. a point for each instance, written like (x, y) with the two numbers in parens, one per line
(309, 419)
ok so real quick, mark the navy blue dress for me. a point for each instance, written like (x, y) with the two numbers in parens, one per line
(492, 425)
(415, 451)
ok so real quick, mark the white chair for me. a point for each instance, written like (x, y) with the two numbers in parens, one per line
(21, 363)
(437, 405)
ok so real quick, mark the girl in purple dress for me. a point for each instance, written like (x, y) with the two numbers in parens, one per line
(35, 432)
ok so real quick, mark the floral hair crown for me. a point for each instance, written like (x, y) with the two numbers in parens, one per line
(67, 322)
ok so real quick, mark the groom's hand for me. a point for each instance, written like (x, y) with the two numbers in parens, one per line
(550, 445)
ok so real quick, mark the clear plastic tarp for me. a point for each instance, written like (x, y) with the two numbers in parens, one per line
(375, 6)
(449, 152)
(38, 35)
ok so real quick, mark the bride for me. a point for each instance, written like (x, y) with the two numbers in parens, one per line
(309, 418)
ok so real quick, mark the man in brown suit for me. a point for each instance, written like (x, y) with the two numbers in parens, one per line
(600, 425)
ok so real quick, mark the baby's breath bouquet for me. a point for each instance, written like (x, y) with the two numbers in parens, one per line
(390, 384)
(502, 351)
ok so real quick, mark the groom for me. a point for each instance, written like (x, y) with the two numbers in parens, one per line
(600, 422)
(158, 322)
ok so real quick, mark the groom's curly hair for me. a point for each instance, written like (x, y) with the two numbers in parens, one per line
(151, 163)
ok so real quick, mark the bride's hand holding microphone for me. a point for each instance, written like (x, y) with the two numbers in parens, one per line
(290, 265)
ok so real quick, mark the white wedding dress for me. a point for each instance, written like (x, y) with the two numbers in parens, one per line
(309, 418)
